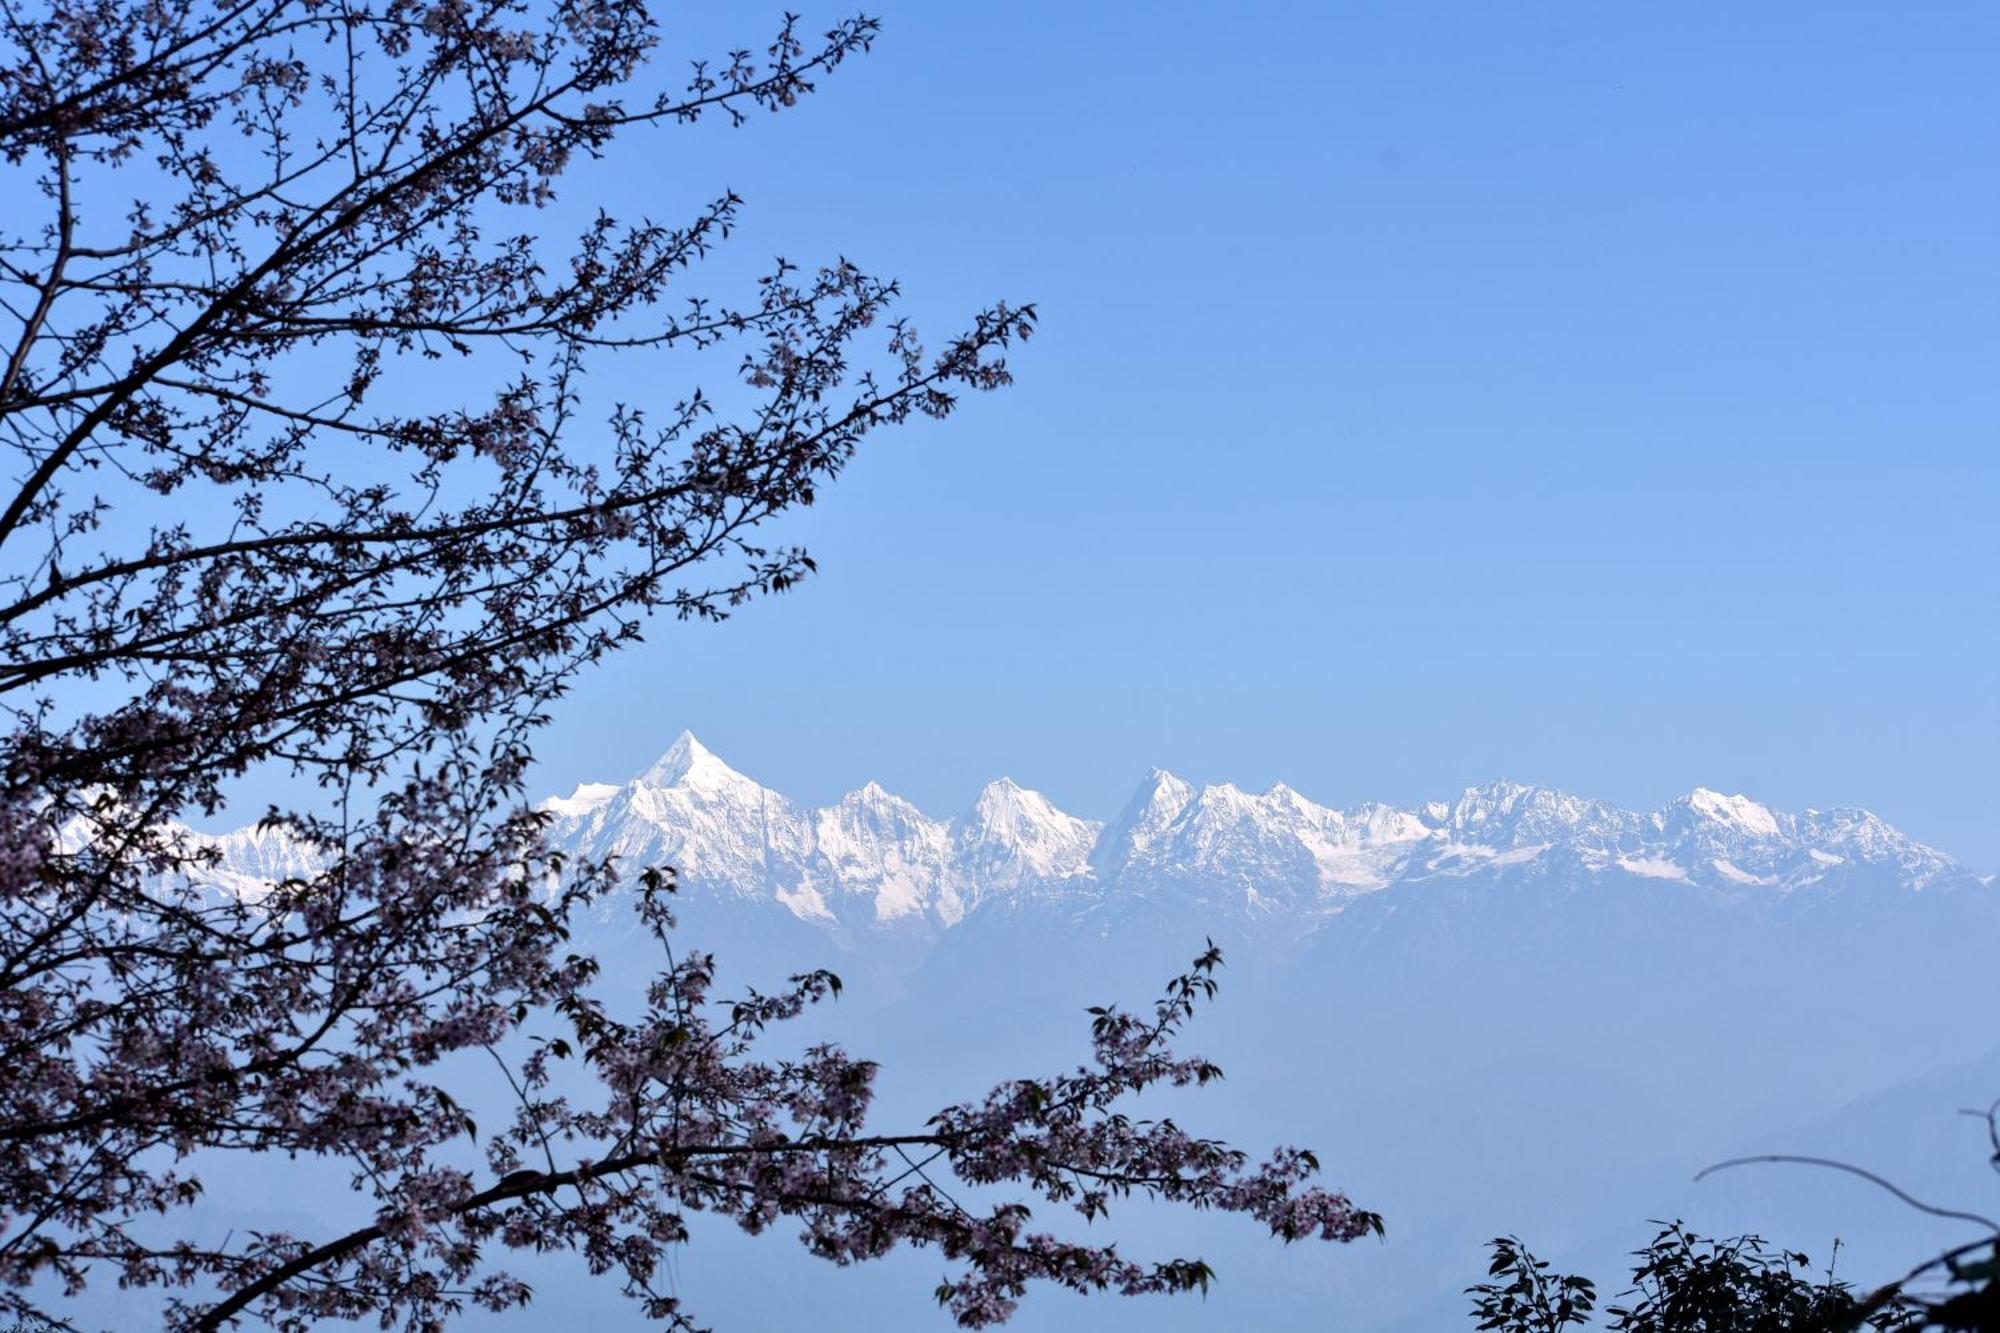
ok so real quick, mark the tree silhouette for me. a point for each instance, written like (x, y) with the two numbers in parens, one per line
(309, 474)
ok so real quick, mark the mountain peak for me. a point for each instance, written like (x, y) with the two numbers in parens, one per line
(1008, 810)
(1005, 802)
(687, 762)
(1162, 791)
(1014, 836)
(874, 797)
(1518, 814)
(1145, 822)
(1489, 801)
(1738, 812)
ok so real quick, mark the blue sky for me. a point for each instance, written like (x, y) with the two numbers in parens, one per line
(1603, 396)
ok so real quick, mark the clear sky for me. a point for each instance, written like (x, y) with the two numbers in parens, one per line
(1605, 396)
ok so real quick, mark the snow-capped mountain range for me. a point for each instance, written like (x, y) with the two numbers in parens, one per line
(874, 861)
(1513, 1008)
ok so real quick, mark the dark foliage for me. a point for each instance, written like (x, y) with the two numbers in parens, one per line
(1526, 1296)
(1684, 1283)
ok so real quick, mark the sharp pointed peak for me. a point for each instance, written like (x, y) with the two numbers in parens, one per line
(687, 761)
(1159, 784)
(1161, 798)
(1004, 801)
(1006, 794)
(873, 793)
(999, 792)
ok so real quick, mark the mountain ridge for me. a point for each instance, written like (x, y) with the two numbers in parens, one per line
(873, 859)
(874, 862)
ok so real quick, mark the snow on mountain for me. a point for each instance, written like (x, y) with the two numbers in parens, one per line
(266, 853)
(873, 862)
(722, 832)
(1507, 815)
(1735, 812)
(1144, 826)
(883, 848)
(1275, 854)
(587, 797)
(1013, 840)
(243, 863)
(1849, 836)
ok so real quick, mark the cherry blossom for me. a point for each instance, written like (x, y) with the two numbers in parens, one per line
(312, 476)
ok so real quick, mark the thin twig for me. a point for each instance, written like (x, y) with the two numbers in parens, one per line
(1852, 1170)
